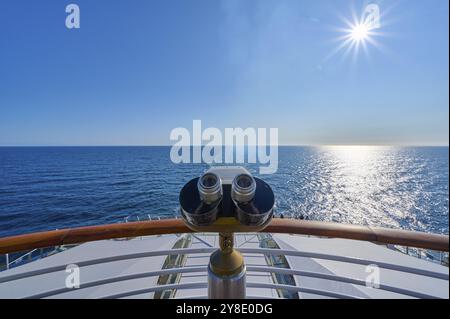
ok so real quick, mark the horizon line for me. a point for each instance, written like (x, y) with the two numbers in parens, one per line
(280, 145)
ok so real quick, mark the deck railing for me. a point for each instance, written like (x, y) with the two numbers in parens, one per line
(176, 226)
(258, 269)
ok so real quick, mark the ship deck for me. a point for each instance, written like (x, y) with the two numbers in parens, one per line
(278, 266)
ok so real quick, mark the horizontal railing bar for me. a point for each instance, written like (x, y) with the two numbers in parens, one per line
(350, 260)
(357, 232)
(91, 233)
(263, 251)
(250, 285)
(115, 279)
(359, 282)
(301, 289)
(102, 260)
(191, 285)
(284, 271)
(177, 226)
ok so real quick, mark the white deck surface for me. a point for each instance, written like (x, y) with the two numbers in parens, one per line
(364, 250)
(32, 285)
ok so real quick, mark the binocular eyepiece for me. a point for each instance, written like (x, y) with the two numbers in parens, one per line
(229, 194)
(243, 188)
(209, 187)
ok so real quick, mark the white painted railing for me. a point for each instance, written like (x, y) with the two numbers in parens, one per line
(201, 284)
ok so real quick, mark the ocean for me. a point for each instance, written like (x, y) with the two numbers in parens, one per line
(46, 188)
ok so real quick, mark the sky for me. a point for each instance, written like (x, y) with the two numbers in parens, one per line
(137, 69)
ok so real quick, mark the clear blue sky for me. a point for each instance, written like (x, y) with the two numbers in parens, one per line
(137, 69)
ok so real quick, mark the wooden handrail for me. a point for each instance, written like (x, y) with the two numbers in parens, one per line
(177, 226)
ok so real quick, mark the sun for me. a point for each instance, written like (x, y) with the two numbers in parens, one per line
(360, 32)
(358, 35)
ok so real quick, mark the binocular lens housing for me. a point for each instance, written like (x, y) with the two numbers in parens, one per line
(243, 188)
(230, 194)
(209, 188)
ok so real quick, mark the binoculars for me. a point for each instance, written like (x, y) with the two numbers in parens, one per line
(227, 199)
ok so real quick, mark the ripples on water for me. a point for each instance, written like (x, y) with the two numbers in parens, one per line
(48, 188)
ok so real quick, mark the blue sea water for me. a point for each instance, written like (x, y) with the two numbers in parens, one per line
(44, 188)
